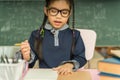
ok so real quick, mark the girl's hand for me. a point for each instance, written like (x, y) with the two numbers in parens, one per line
(25, 49)
(64, 69)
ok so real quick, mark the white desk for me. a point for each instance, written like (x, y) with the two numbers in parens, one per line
(81, 74)
(41, 74)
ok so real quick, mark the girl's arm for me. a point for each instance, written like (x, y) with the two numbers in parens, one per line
(78, 59)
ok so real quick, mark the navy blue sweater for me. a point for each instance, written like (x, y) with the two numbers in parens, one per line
(54, 55)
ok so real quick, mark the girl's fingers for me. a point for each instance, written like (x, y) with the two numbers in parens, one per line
(26, 56)
(25, 52)
(62, 70)
(25, 49)
(56, 68)
(24, 44)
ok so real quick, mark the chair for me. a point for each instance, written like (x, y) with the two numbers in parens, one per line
(89, 39)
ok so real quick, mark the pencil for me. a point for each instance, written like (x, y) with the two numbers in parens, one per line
(17, 44)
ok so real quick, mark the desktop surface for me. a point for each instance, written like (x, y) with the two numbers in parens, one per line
(41, 74)
(49, 74)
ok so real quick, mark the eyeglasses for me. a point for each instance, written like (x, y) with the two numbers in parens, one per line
(63, 12)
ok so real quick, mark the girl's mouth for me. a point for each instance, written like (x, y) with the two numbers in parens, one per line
(57, 23)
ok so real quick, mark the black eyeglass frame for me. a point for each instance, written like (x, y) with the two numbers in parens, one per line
(48, 10)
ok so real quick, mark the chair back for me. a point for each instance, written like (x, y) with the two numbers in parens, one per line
(89, 39)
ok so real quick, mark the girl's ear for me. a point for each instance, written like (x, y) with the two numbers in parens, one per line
(45, 11)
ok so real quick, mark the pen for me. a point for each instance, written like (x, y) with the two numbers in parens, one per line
(2, 59)
(6, 59)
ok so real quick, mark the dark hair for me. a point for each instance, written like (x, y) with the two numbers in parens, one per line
(70, 2)
(40, 33)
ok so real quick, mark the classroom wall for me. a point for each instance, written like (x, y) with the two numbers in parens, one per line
(19, 17)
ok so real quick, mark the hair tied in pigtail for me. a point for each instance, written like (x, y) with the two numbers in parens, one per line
(42, 32)
(73, 18)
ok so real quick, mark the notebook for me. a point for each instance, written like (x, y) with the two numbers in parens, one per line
(79, 75)
(41, 74)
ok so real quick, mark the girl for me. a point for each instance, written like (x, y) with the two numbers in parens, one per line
(55, 45)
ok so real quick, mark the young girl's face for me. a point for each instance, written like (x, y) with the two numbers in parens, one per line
(58, 13)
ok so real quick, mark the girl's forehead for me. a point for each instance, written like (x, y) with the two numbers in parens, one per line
(60, 4)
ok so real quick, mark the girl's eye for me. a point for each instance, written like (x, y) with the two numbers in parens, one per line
(53, 11)
(65, 12)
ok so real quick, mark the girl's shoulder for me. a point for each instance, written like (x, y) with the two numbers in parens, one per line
(35, 33)
(77, 32)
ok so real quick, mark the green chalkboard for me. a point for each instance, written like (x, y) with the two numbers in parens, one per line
(19, 17)
(103, 16)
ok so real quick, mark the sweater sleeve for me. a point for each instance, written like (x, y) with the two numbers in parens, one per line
(74, 62)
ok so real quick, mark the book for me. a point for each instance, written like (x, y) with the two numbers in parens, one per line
(41, 74)
(107, 76)
(115, 53)
(79, 75)
(109, 65)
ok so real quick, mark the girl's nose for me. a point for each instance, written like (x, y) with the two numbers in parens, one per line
(59, 15)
